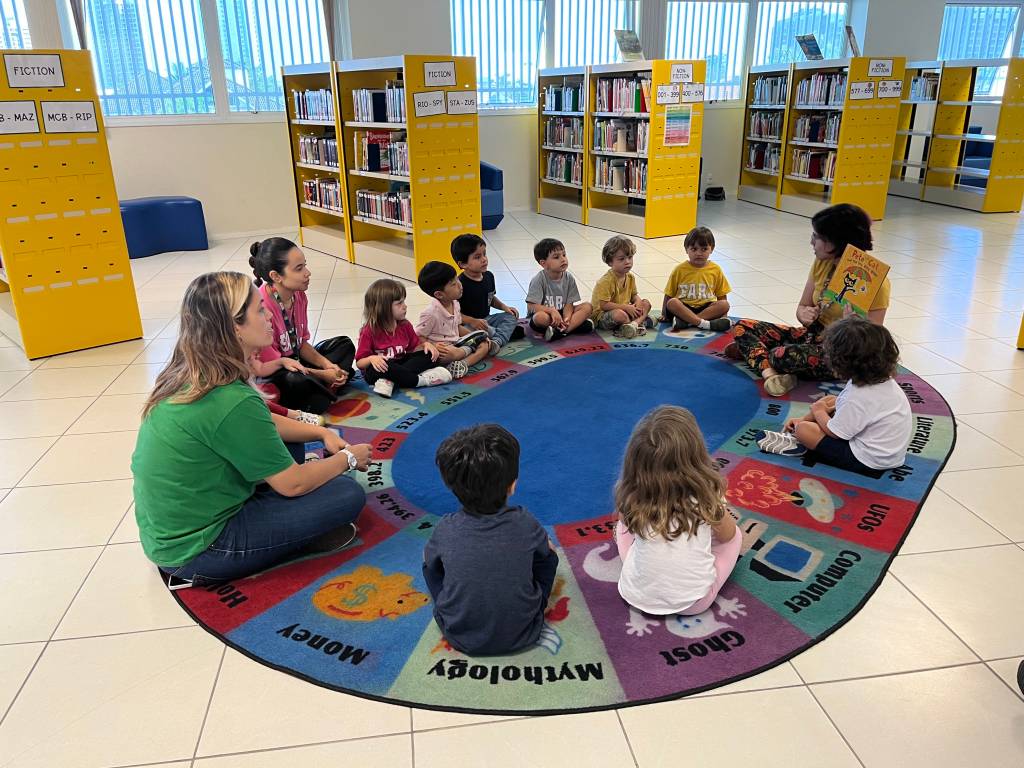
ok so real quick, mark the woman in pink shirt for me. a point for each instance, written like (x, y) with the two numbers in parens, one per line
(307, 376)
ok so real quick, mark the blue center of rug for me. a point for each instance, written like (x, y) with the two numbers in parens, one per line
(573, 418)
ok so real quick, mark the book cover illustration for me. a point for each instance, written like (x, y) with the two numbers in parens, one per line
(629, 45)
(856, 281)
(809, 45)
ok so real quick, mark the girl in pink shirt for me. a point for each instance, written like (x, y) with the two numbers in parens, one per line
(389, 352)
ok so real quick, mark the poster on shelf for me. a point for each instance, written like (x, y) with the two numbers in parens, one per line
(890, 89)
(677, 125)
(69, 116)
(439, 73)
(18, 117)
(809, 45)
(692, 93)
(880, 68)
(461, 102)
(34, 70)
(668, 94)
(862, 90)
(429, 103)
(681, 73)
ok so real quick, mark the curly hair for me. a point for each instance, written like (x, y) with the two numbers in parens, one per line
(843, 225)
(614, 245)
(858, 350)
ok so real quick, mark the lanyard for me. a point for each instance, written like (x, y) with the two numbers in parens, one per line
(292, 336)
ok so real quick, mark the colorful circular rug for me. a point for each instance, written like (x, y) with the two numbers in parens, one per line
(816, 540)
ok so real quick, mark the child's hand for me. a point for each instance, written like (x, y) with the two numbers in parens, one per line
(514, 312)
(819, 406)
(791, 424)
(291, 364)
(380, 365)
(431, 350)
(475, 323)
(847, 310)
(444, 348)
(829, 401)
(633, 312)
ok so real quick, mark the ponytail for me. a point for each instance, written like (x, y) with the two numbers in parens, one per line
(270, 255)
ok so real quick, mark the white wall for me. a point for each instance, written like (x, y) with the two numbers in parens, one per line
(908, 28)
(394, 27)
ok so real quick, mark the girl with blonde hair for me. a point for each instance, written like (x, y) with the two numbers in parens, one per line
(677, 541)
(208, 443)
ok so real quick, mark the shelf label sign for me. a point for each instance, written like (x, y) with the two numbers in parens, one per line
(18, 117)
(34, 70)
(692, 92)
(429, 103)
(879, 67)
(69, 116)
(668, 94)
(681, 73)
(890, 89)
(461, 102)
(862, 90)
(439, 73)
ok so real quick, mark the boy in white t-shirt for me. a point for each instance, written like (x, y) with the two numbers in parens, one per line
(868, 426)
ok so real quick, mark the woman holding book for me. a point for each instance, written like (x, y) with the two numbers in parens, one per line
(783, 354)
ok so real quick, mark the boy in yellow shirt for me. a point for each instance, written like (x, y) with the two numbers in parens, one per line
(697, 292)
(617, 305)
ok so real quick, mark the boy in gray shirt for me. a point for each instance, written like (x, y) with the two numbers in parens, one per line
(553, 301)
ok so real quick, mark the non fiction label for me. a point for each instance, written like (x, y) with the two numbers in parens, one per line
(18, 117)
(862, 90)
(34, 70)
(461, 102)
(668, 94)
(879, 67)
(429, 103)
(890, 89)
(439, 73)
(692, 92)
(69, 116)
(681, 73)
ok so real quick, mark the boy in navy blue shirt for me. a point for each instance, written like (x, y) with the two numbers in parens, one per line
(489, 567)
(479, 294)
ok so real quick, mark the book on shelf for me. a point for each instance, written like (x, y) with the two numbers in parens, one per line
(629, 45)
(620, 175)
(809, 45)
(318, 150)
(565, 168)
(313, 104)
(623, 94)
(813, 164)
(395, 98)
(925, 87)
(391, 207)
(381, 152)
(323, 193)
(856, 281)
(763, 157)
(822, 88)
(380, 105)
(563, 132)
(770, 89)
(564, 98)
(766, 125)
(818, 128)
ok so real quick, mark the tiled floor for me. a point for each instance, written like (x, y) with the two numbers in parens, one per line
(99, 667)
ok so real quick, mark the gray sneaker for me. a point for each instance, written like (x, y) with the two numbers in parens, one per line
(626, 331)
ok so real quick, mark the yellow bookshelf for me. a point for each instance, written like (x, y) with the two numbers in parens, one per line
(441, 129)
(764, 134)
(66, 279)
(1000, 187)
(912, 143)
(562, 138)
(867, 108)
(322, 228)
(662, 201)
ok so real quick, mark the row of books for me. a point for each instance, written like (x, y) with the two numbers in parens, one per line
(382, 152)
(812, 164)
(620, 135)
(313, 105)
(925, 87)
(392, 207)
(618, 175)
(373, 105)
(319, 150)
(822, 88)
(323, 193)
(564, 132)
(563, 98)
(818, 128)
(764, 157)
(623, 94)
(567, 168)
(770, 89)
(766, 125)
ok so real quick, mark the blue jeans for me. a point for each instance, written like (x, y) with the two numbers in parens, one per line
(270, 528)
(501, 326)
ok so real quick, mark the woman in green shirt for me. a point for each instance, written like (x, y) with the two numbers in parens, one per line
(218, 495)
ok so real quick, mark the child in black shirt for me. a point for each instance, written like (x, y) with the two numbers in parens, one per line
(479, 294)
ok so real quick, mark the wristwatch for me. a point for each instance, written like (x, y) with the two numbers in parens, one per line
(353, 462)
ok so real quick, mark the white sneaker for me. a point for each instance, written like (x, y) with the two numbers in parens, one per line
(309, 418)
(434, 377)
(457, 368)
(384, 387)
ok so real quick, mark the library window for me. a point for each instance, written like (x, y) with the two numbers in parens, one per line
(257, 38)
(715, 31)
(507, 38)
(150, 57)
(14, 25)
(585, 32)
(779, 23)
(980, 32)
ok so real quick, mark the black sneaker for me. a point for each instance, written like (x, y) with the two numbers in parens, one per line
(587, 326)
(720, 324)
(553, 334)
(332, 541)
(517, 333)
(471, 339)
(678, 324)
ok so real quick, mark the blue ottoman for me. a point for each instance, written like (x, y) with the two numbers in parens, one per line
(161, 224)
(492, 195)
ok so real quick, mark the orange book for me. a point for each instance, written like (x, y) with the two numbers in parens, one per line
(856, 281)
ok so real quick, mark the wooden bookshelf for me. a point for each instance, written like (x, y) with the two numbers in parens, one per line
(563, 196)
(667, 203)
(320, 229)
(764, 134)
(912, 143)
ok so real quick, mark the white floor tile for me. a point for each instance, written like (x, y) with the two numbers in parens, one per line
(18, 456)
(111, 413)
(15, 663)
(944, 523)
(40, 418)
(381, 752)
(988, 493)
(1007, 669)
(84, 458)
(45, 384)
(37, 589)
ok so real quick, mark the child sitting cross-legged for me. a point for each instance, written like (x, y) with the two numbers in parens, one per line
(676, 538)
(490, 567)
(479, 294)
(868, 426)
(440, 323)
(389, 352)
(617, 305)
(553, 298)
(696, 294)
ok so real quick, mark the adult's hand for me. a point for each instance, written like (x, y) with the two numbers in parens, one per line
(807, 315)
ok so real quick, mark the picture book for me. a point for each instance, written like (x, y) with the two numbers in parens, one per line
(809, 45)
(856, 281)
